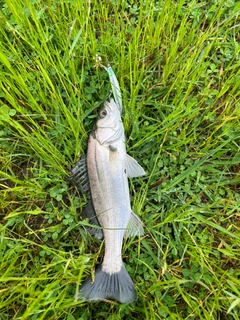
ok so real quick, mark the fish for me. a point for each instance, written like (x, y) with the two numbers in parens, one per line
(103, 174)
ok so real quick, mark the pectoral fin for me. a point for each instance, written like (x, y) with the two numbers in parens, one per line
(133, 168)
(135, 226)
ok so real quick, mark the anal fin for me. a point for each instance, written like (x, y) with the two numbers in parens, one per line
(134, 227)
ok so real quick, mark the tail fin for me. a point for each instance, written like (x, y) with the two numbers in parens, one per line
(117, 286)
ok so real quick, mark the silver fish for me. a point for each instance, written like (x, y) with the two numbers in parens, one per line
(108, 167)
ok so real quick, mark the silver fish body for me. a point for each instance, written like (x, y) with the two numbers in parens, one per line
(109, 186)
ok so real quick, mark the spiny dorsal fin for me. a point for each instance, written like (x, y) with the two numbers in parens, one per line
(79, 176)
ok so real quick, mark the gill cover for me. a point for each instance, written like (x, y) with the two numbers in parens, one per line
(109, 127)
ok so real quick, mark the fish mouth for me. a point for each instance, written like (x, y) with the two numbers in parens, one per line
(107, 104)
(111, 105)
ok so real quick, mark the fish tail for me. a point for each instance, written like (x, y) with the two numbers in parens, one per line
(116, 286)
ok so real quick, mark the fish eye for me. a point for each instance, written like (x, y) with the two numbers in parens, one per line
(103, 113)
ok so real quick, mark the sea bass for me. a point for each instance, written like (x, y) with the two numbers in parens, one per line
(108, 167)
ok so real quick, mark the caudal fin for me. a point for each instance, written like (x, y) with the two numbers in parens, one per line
(117, 286)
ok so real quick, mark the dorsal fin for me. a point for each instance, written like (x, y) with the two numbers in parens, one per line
(79, 176)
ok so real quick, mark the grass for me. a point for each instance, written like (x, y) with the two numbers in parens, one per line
(178, 68)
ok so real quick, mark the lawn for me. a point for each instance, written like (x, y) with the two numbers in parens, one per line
(178, 66)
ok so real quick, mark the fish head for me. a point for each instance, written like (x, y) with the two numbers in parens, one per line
(109, 127)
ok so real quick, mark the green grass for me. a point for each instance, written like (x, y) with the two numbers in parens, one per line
(178, 67)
